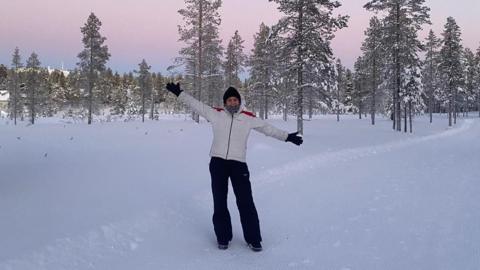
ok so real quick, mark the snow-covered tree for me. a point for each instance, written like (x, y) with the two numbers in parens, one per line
(430, 72)
(200, 34)
(33, 85)
(144, 85)
(373, 57)
(119, 96)
(307, 29)
(133, 104)
(340, 89)
(451, 66)
(349, 91)
(471, 83)
(402, 20)
(56, 93)
(93, 58)
(361, 81)
(213, 78)
(478, 81)
(261, 62)
(15, 98)
(234, 62)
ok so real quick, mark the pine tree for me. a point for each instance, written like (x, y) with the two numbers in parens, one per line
(261, 65)
(15, 102)
(157, 94)
(340, 88)
(471, 75)
(403, 19)
(119, 96)
(360, 86)
(200, 34)
(430, 71)
(33, 85)
(145, 85)
(349, 91)
(307, 29)
(373, 55)
(451, 66)
(55, 93)
(478, 80)
(235, 60)
(93, 58)
(213, 79)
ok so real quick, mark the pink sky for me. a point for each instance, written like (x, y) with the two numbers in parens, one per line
(137, 29)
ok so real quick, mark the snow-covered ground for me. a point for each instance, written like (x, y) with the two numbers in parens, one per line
(137, 196)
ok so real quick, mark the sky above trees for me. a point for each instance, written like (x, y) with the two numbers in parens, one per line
(137, 29)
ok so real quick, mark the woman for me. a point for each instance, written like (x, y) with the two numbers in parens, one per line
(231, 128)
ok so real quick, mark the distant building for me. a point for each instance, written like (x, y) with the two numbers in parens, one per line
(4, 96)
(62, 70)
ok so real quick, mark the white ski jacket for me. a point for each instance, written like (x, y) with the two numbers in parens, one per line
(230, 133)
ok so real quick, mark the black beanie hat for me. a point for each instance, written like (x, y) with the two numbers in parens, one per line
(231, 92)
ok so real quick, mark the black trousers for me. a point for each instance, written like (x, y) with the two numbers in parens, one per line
(220, 171)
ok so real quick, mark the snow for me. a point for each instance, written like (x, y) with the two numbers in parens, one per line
(131, 195)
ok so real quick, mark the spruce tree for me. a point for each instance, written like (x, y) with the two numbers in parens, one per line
(33, 84)
(261, 63)
(373, 56)
(14, 101)
(451, 67)
(93, 58)
(430, 71)
(145, 85)
(402, 20)
(307, 28)
(200, 34)
(235, 60)
(471, 75)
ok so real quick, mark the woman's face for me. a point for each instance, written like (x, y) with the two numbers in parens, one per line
(232, 102)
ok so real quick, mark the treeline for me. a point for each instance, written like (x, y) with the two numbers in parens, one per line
(292, 69)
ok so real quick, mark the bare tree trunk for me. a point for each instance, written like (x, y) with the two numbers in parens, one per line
(410, 115)
(200, 58)
(262, 104)
(338, 104)
(90, 99)
(310, 104)
(450, 101)
(266, 105)
(360, 110)
(90, 85)
(374, 90)
(405, 128)
(32, 107)
(152, 103)
(455, 106)
(300, 102)
(430, 92)
(15, 99)
(300, 75)
(397, 69)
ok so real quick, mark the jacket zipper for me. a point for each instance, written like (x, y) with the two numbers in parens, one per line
(229, 135)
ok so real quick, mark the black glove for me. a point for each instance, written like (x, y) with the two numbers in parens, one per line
(174, 88)
(294, 138)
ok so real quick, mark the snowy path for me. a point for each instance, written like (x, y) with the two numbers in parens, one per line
(409, 204)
